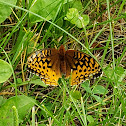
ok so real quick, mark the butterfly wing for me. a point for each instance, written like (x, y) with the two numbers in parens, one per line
(83, 66)
(45, 64)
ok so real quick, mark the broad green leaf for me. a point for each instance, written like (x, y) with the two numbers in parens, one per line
(98, 99)
(5, 71)
(23, 105)
(44, 8)
(19, 80)
(72, 15)
(109, 72)
(66, 1)
(99, 90)
(38, 82)
(86, 86)
(2, 100)
(76, 4)
(120, 74)
(79, 20)
(85, 20)
(76, 95)
(90, 118)
(5, 10)
(48, 106)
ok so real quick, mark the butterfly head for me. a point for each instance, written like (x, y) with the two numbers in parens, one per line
(62, 50)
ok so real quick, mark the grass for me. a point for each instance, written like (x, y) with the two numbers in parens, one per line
(93, 103)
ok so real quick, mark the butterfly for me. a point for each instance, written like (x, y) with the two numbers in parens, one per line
(50, 64)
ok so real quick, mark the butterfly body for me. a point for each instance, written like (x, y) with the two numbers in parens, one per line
(51, 64)
(62, 60)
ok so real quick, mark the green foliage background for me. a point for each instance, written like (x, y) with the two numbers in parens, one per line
(94, 27)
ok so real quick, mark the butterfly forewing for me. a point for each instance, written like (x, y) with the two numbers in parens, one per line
(83, 66)
(44, 63)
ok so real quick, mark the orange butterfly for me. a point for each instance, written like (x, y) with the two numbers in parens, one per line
(51, 64)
